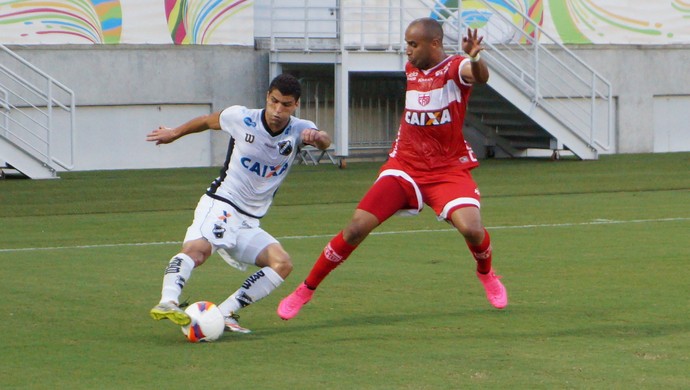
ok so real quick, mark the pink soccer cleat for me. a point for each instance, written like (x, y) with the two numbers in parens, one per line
(495, 291)
(290, 306)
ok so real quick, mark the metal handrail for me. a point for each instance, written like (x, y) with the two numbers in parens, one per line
(531, 77)
(29, 113)
(549, 74)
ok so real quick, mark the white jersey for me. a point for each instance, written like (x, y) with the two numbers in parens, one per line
(257, 161)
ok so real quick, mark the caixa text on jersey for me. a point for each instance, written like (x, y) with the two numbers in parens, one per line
(263, 170)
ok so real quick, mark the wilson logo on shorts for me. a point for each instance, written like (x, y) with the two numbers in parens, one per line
(249, 138)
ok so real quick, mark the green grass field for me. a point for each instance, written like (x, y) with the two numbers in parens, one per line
(595, 256)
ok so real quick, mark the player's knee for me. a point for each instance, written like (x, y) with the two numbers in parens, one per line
(355, 233)
(198, 250)
(281, 263)
(471, 232)
(359, 228)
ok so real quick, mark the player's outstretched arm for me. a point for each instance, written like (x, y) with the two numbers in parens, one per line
(317, 138)
(166, 135)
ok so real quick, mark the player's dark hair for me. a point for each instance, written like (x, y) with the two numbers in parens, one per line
(287, 84)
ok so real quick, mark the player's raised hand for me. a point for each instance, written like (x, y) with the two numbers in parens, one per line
(161, 135)
(472, 43)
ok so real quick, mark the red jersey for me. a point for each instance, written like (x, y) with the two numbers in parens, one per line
(430, 136)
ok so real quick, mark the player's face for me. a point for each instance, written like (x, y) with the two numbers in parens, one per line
(279, 108)
(419, 49)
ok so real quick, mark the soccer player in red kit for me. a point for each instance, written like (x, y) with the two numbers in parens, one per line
(429, 162)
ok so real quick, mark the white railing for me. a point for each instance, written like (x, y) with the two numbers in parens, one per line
(38, 112)
(544, 70)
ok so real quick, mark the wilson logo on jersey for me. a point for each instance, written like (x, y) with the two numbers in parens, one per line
(427, 118)
(263, 170)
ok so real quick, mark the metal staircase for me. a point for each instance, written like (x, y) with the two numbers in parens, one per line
(36, 120)
(540, 96)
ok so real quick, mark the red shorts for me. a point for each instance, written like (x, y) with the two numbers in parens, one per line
(397, 190)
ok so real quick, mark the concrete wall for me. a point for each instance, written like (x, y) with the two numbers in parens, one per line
(652, 89)
(124, 91)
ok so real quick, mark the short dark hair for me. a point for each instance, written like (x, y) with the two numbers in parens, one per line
(287, 84)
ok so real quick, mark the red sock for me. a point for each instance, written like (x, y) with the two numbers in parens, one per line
(482, 254)
(335, 252)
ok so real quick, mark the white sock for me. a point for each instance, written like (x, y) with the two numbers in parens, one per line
(255, 288)
(176, 276)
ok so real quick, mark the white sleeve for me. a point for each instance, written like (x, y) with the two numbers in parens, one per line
(229, 118)
(462, 63)
(301, 125)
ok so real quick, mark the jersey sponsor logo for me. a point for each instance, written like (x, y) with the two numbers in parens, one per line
(412, 76)
(285, 147)
(263, 170)
(249, 122)
(249, 138)
(225, 216)
(443, 70)
(425, 118)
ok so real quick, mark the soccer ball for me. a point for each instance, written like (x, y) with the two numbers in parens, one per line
(207, 323)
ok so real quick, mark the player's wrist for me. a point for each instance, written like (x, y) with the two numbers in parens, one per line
(475, 58)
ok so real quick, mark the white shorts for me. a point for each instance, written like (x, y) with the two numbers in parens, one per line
(228, 230)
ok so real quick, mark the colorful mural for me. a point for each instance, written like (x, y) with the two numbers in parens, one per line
(498, 28)
(576, 21)
(195, 21)
(127, 21)
(95, 21)
(588, 21)
(232, 21)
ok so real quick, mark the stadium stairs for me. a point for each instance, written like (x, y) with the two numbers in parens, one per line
(541, 99)
(36, 120)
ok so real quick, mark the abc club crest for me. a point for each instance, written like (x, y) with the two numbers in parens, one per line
(424, 99)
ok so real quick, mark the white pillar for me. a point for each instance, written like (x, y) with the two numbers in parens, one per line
(342, 104)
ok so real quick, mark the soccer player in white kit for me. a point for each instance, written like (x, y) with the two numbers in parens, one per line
(429, 163)
(263, 144)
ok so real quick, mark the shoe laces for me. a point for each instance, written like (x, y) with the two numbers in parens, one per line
(184, 303)
(233, 316)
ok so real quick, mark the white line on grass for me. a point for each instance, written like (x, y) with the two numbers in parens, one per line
(595, 222)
